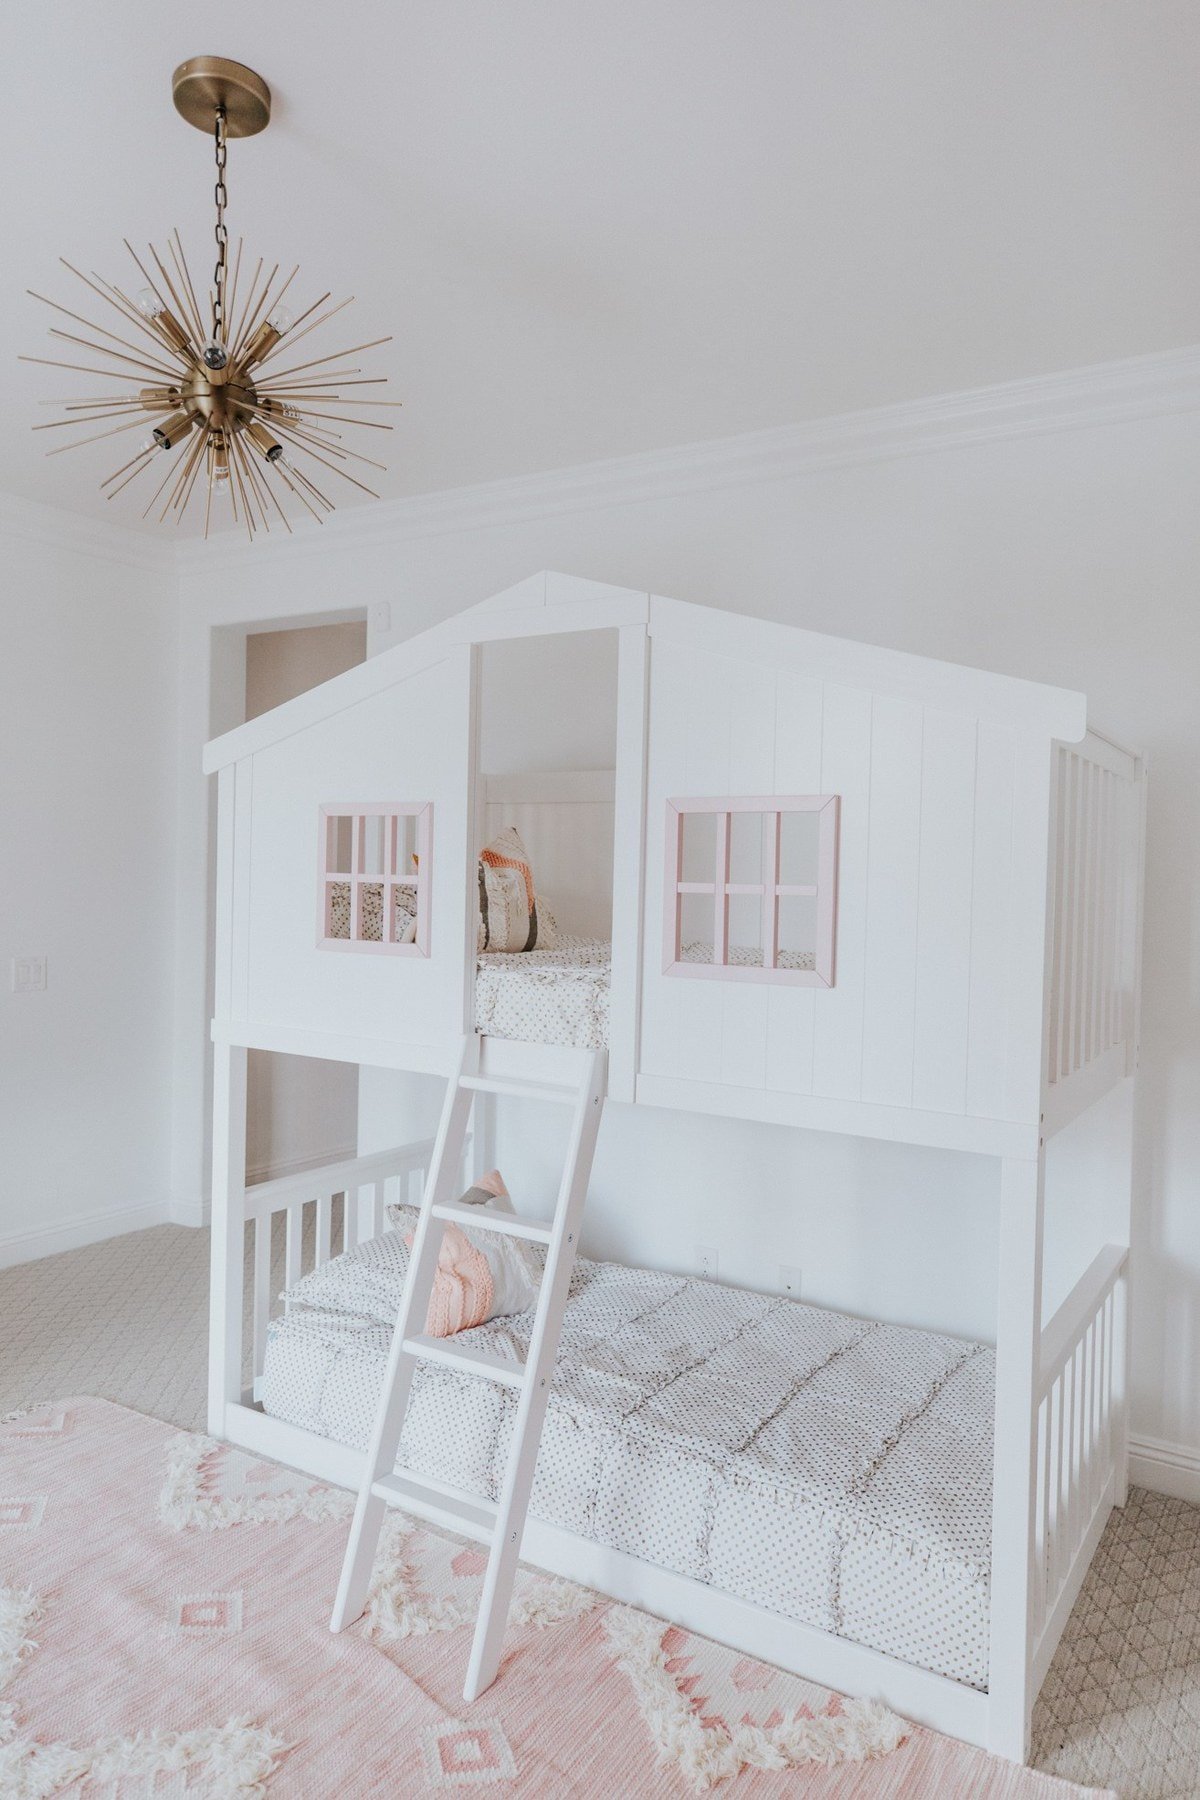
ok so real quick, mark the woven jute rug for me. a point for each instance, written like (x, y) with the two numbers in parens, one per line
(163, 1634)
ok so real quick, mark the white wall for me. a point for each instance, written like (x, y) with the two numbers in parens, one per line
(87, 706)
(299, 1111)
(1069, 556)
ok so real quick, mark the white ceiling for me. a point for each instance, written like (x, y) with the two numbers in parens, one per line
(600, 226)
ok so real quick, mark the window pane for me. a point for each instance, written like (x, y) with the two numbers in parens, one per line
(696, 926)
(797, 932)
(341, 840)
(373, 841)
(404, 912)
(370, 912)
(337, 903)
(798, 848)
(745, 848)
(745, 930)
(699, 846)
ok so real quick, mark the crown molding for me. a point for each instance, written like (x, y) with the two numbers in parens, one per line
(1104, 394)
(61, 530)
(1139, 387)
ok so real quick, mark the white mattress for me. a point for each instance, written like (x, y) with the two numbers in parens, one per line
(831, 1469)
(557, 996)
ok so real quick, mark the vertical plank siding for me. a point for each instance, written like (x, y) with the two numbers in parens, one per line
(1092, 948)
(919, 1014)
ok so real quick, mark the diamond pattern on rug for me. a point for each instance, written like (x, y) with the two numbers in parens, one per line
(22, 1514)
(207, 1613)
(458, 1755)
(1121, 1701)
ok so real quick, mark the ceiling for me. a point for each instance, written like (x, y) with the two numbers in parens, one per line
(602, 226)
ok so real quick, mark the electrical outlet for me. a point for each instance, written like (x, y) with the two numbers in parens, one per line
(789, 1281)
(28, 974)
(706, 1262)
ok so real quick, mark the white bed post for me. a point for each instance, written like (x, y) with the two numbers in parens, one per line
(228, 1233)
(1018, 1349)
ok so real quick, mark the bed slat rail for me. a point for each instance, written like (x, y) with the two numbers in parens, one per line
(1091, 1017)
(308, 1218)
(1082, 1429)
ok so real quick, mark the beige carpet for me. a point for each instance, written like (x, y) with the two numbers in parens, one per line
(1120, 1707)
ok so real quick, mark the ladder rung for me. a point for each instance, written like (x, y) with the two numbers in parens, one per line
(474, 1517)
(486, 1218)
(463, 1356)
(520, 1090)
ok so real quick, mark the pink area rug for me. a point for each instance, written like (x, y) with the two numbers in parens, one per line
(163, 1634)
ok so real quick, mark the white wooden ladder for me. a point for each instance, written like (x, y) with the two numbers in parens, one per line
(499, 1525)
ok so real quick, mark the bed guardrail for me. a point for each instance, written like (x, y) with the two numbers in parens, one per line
(1082, 1439)
(1095, 922)
(315, 1227)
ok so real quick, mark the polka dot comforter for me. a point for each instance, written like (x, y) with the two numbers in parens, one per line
(832, 1469)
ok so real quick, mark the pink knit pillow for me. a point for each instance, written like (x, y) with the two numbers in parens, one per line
(480, 1275)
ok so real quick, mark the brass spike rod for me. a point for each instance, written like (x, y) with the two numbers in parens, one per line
(141, 461)
(333, 449)
(256, 482)
(191, 311)
(293, 336)
(236, 336)
(103, 350)
(180, 305)
(171, 471)
(159, 332)
(95, 438)
(80, 320)
(347, 379)
(316, 455)
(194, 452)
(125, 307)
(261, 476)
(286, 478)
(99, 400)
(84, 369)
(252, 320)
(244, 339)
(194, 471)
(344, 419)
(313, 489)
(317, 361)
(176, 249)
(235, 474)
(91, 418)
(208, 501)
(182, 322)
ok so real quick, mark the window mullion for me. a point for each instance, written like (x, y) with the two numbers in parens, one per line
(770, 912)
(721, 896)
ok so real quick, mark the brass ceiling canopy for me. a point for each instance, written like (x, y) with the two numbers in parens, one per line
(204, 85)
(242, 427)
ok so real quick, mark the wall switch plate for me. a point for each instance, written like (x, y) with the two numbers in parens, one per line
(706, 1262)
(28, 974)
(789, 1281)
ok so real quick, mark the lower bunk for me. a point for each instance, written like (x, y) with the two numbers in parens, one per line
(811, 1488)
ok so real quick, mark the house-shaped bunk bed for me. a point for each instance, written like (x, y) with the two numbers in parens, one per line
(816, 884)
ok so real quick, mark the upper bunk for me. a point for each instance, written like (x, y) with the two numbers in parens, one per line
(795, 878)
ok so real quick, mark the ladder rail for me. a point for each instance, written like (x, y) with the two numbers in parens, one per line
(369, 1508)
(533, 1380)
(521, 1464)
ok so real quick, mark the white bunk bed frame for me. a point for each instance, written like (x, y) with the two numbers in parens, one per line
(1072, 810)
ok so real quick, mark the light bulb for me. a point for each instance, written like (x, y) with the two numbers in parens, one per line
(148, 303)
(214, 354)
(221, 476)
(281, 320)
(147, 445)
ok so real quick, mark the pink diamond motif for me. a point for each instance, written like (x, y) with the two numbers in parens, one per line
(44, 1424)
(749, 1675)
(205, 1613)
(18, 1514)
(458, 1755)
(469, 1562)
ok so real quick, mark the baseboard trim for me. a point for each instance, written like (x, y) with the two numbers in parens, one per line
(86, 1228)
(1167, 1468)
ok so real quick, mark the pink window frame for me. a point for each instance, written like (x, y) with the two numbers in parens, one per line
(358, 876)
(824, 889)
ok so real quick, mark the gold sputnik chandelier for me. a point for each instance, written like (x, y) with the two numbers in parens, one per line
(227, 420)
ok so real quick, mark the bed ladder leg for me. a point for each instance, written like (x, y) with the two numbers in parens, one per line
(500, 1527)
